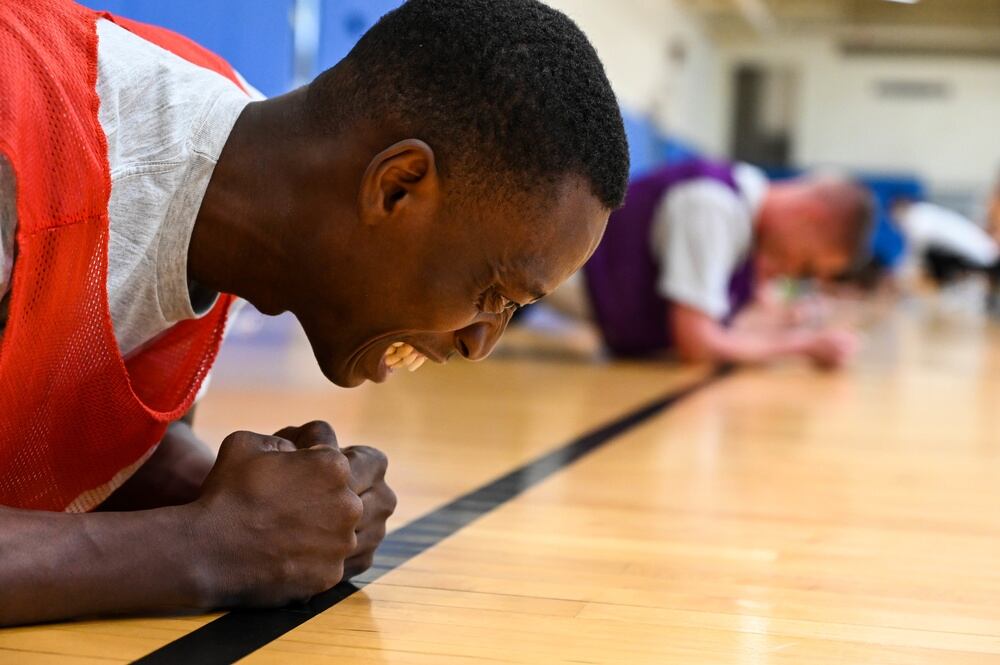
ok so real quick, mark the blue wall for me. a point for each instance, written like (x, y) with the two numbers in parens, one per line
(644, 143)
(342, 22)
(649, 147)
(888, 242)
(255, 36)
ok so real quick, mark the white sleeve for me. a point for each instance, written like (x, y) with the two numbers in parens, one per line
(930, 225)
(700, 233)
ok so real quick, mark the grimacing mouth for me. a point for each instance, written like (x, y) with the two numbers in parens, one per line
(397, 354)
(402, 355)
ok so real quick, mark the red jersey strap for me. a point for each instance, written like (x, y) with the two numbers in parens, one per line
(160, 358)
(77, 420)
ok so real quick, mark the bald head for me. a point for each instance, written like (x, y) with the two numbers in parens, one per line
(850, 212)
(817, 225)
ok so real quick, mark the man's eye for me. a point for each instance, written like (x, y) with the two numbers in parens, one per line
(494, 303)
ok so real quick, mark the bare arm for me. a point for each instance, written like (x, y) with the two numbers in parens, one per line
(58, 565)
(55, 565)
(700, 338)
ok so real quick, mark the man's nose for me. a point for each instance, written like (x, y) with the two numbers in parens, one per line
(476, 341)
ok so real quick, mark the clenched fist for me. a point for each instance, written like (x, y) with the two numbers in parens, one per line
(284, 517)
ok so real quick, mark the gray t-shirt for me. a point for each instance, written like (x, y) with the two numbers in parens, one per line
(166, 122)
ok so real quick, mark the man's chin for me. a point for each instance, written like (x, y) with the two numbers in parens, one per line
(354, 374)
(349, 376)
(346, 377)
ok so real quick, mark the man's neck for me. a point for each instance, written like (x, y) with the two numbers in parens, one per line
(247, 239)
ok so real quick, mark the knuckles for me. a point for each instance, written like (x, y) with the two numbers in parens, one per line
(235, 439)
(376, 456)
(319, 548)
(334, 463)
(353, 508)
(384, 503)
(319, 431)
(388, 498)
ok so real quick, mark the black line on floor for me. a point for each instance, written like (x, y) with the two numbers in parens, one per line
(239, 633)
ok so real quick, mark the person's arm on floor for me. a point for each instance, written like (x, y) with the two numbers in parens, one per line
(278, 519)
(700, 338)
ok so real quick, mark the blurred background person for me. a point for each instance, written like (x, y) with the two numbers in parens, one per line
(946, 246)
(693, 245)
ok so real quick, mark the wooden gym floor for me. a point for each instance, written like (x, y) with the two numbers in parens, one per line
(772, 516)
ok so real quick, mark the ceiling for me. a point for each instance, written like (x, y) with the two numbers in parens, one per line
(954, 13)
(945, 25)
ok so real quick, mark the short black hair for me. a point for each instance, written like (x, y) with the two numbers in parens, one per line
(509, 87)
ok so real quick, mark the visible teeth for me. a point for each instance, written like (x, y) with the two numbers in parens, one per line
(398, 350)
(401, 354)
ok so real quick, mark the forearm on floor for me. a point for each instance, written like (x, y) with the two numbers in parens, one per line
(745, 348)
(698, 337)
(59, 566)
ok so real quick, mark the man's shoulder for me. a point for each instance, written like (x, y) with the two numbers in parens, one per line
(154, 102)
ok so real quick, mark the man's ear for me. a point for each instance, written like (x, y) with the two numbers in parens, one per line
(401, 178)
